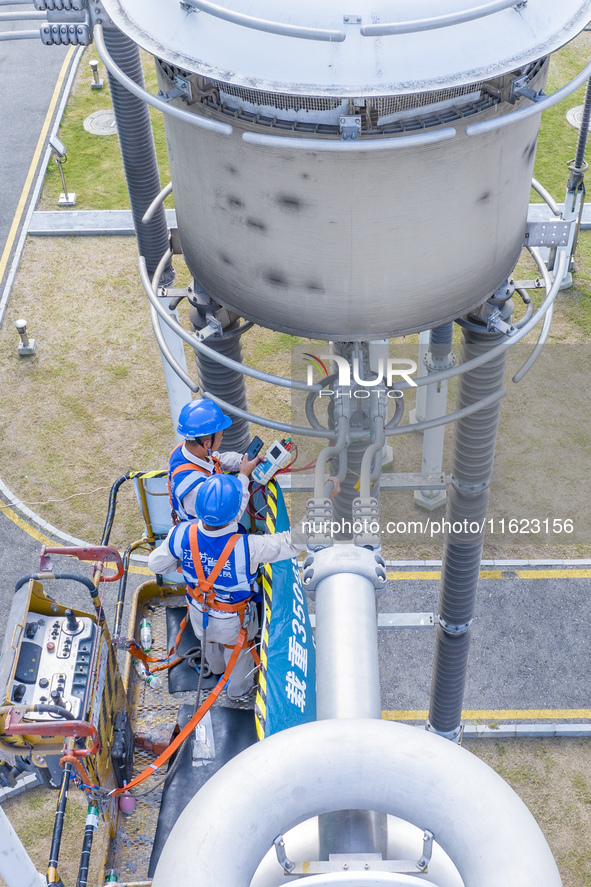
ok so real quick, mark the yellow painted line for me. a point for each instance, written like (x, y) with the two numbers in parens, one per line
(40, 144)
(553, 574)
(45, 540)
(399, 575)
(503, 714)
(23, 525)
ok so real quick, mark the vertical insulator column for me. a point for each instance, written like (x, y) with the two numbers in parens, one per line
(138, 152)
(227, 384)
(472, 465)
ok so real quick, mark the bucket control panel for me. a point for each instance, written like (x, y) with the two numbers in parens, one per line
(55, 664)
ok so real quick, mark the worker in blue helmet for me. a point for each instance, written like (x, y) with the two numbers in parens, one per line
(202, 424)
(220, 562)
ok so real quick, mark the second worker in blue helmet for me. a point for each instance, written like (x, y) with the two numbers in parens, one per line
(202, 424)
(219, 562)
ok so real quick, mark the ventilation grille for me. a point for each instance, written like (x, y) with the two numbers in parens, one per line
(395, 104)
(471, 99)
(279, 100)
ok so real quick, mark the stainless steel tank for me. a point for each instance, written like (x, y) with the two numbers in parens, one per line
(356, 243)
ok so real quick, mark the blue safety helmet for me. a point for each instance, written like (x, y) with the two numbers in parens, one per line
(199, 418)
(219, 498)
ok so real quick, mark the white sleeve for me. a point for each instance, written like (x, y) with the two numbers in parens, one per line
(162, 560)
(244, 480)
(272, 547)
(230, 461)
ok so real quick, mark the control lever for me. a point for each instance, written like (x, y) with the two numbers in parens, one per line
(72, 625)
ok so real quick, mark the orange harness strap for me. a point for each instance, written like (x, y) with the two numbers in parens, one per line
(186, 731)
(205, 594)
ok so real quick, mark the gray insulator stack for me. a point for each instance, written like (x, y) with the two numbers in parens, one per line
(440, 340)
(227, 384)
(139, 154)
(472, 465)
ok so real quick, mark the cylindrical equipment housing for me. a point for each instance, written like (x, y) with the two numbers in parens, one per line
(351, 245)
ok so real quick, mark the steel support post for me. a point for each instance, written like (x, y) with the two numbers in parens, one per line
(348, 686)
(472, 465)
(138, 152)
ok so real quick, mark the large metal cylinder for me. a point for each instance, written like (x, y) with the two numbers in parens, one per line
(332, 245)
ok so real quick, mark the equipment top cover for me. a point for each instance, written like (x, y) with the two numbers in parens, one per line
(366, 48)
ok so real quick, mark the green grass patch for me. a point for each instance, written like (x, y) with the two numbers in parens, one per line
(93, 168)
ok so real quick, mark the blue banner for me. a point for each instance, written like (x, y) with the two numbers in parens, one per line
(287, 688)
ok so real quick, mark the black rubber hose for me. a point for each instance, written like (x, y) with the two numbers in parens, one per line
(41, 708)
(74, 577)
(111, 508)
(58, 825)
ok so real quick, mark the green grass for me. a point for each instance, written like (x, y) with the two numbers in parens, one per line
(93, 168)
(558, 139)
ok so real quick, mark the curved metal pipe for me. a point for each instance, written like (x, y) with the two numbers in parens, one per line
(537, 348)
(543, 333)
(267, 423)
(327, 453)
(371, 451)
(259, 24)
(340, 145)
(19, 16)
(365, 764)
(199, 346)
(18, 35)
(160, 198)
(167, 354)
(510, 340)
(196, 120)
(537, 108)
(437, 21)
(547, 197)
(450, 417)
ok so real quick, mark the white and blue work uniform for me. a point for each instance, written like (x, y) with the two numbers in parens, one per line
(223, 627)
(235, 582)
(186, 472)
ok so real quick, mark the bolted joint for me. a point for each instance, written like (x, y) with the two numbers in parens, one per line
(451, 629)
(344, 559)
(366, 522)
(318, 523)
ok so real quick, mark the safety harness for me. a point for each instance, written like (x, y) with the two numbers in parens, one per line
(205, 595)
(187, 466)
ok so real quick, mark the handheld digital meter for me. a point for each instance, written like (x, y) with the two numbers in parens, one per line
(278, 456)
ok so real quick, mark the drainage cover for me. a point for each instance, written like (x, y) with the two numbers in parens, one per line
(101, 123)
(575, 116)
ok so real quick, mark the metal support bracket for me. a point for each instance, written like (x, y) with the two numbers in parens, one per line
(350, 127)
(182, 89)
(550, 233)
(519, 88)
(427, 851)
(355, 862)
(496, 324)
(282, 858)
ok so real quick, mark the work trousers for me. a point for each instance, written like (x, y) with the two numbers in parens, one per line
(222, 634)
